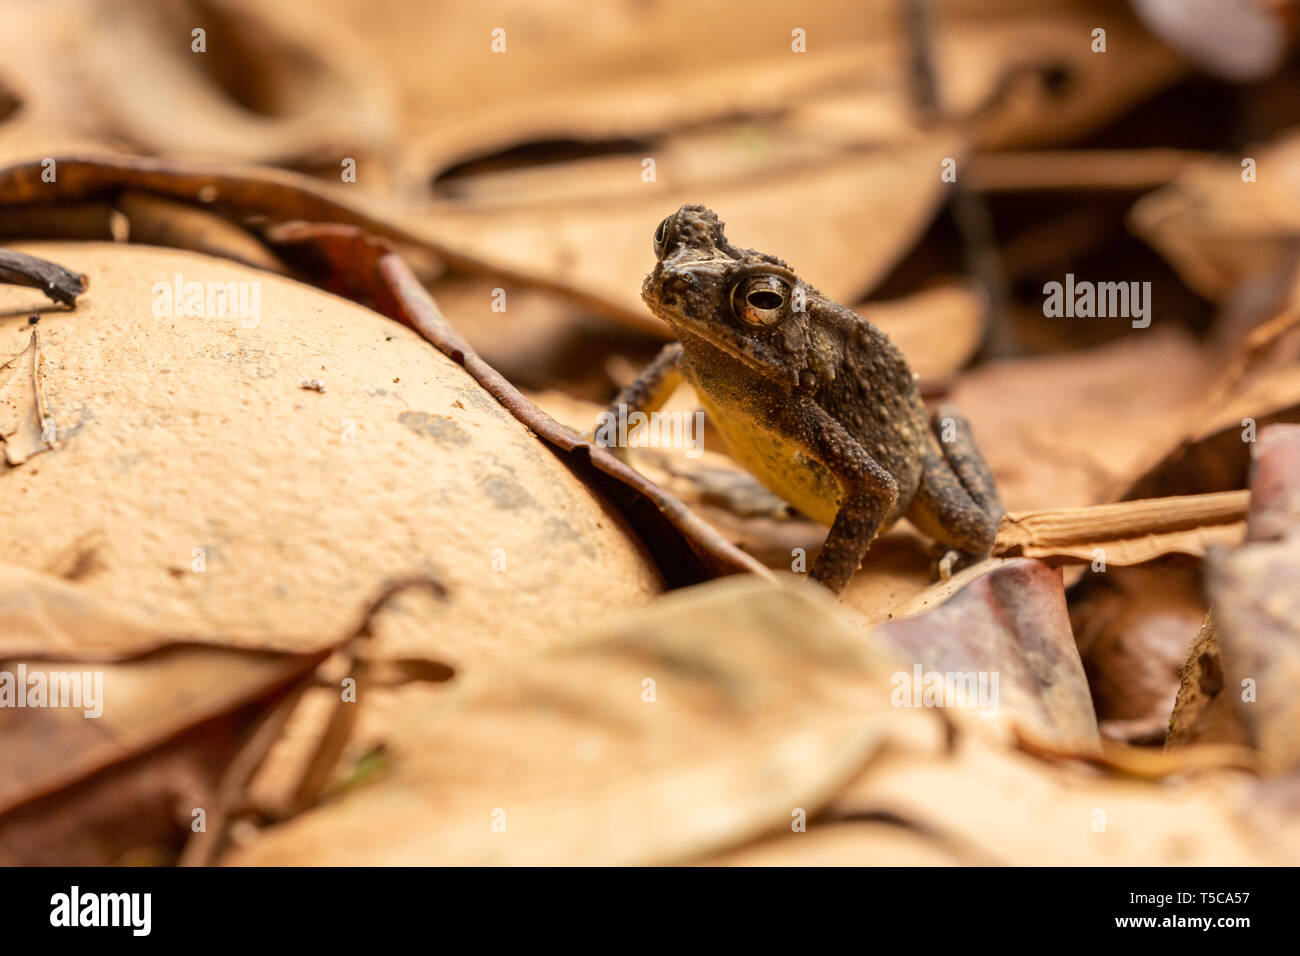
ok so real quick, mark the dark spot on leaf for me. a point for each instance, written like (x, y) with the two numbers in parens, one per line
(506, 493)
(434, 426)
(561, 530)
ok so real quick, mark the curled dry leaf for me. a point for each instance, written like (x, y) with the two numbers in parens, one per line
(613, 89)
(271, 194)
(1207, 449)
(145, 767)
(1133, 626)
(611, 99)
(1203, 713)
(553, 249)
(1219, 227)
(1003, 648)
(1257, 606)
(134, 813)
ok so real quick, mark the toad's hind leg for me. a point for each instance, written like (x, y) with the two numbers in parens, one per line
(957, 501)
(963, 456)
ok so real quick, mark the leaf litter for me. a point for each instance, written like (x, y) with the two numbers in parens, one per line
(742, 717)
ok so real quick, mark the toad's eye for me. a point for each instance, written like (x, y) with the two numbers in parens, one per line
(661, 236)
(760, 301)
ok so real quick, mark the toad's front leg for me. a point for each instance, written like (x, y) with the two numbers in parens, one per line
(648, 393)
(867, 494)
(655, 385)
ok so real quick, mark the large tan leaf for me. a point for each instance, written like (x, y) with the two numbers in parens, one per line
(186, 433)
(1008, 808)
(707, 719)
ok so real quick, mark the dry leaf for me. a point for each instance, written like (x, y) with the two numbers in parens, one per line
(1061, 431)
(708, 719)
(1238, 40)
(60, 767)
(23, 421)
(1131, 532)
(1241, 670)
(1005, 636)
(938, 329)
(155, 221)
(859, 214)
(270, 514)
(1010, 808)
(1202, 712)
(1218, 228)
(1256, 608)
(271, 83)
(1133, 627)
(1208, 447)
